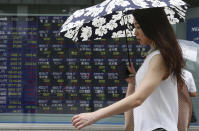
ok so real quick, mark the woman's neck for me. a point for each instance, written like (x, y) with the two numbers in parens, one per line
(151, 49)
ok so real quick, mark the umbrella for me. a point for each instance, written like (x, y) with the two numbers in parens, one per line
(190, 50)
(114, 19)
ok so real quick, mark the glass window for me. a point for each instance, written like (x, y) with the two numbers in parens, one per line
(45, 78)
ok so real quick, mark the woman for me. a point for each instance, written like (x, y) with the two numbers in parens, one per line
(155, 100)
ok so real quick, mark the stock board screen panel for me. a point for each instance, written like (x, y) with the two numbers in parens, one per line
(42, 72)
(18, 64)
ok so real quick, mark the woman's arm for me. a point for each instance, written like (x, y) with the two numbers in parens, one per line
(193, 94)
(155, 73)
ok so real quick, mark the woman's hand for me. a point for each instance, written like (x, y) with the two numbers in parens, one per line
(83, 119)
(132, 71)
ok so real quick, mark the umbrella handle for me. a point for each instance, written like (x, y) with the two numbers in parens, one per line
(127, 49)
(126, 40)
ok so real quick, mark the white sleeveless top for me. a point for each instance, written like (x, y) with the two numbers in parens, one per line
(160, 109)
(189, 80)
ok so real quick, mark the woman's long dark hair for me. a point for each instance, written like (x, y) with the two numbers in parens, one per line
(156, 26)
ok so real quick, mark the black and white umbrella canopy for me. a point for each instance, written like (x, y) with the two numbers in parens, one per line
(111, 18)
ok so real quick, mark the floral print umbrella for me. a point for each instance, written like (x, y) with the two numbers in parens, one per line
(114, 19)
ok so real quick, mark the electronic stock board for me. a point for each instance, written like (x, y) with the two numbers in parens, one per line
(42, 72)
